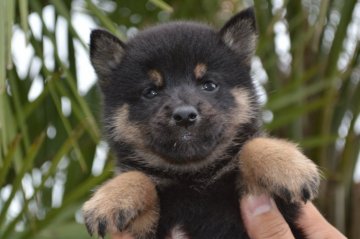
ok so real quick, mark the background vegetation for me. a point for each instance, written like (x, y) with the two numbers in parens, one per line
(51, 152)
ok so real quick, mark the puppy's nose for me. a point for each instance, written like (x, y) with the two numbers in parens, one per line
(185, 115)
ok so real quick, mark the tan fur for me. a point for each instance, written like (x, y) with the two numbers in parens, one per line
(200, 70)
(270, 165)
(124, 129)
(145, 222)
(131, 192)
(156, 77)
(244, 112)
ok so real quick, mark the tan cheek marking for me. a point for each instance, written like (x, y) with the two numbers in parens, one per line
(243, 112)
(156, 77)
(200, 70)
(124, 129)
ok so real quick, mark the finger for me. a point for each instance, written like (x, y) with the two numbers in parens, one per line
(262, 219)
(314, 224)
(121, 235)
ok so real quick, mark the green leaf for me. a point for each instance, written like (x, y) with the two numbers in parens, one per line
(65, 147)
(28, 161)
(291, 114)
(24, 13)
(4, 169)
(295, 95)
(162, 5)
(57, 101)
(105, 20)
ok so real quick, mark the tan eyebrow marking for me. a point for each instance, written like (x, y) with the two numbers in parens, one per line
(200, 70)
(155, 76)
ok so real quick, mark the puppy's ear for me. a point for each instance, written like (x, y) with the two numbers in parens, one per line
(240, 34)
(106, 52)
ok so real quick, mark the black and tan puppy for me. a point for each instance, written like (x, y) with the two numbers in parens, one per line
(181, 114)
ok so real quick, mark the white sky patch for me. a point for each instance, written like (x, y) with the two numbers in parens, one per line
(51, 131)
(101, 153)
(282, 39)
(345, 124)
(21, 53)
(357, 166)
(131, 32)
(27, 186)
(353, 36)
(61, 35)
(5, 192)
(65, 106)
(357, 171)
(49, 16)
(85, 73)
(79, 217)
(36, 88)
(35, 67)
(282, 45)
(257, 70)
(59, 183)
(36, 176)
(267, 116)
(259, 78)
(277, 4)
(16, 205)
(49, 57)
(357, 125)
(35, 25)
(57, 194)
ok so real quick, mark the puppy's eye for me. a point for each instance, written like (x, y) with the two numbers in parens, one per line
(150, 93)
(209, 86)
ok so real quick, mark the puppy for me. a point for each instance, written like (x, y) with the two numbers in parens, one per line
(182, 115)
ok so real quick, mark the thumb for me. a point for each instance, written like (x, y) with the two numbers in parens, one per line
(315, 225)
(262, 219)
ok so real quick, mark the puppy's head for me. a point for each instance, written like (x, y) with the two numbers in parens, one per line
(178, 94)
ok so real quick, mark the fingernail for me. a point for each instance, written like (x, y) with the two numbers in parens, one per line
(258, 204)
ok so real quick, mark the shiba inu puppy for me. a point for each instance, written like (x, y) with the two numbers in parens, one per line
(181, 114)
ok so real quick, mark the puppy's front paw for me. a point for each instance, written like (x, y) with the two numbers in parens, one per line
(127, 202)
(277, 167)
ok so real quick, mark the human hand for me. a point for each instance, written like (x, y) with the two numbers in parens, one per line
(262, 219)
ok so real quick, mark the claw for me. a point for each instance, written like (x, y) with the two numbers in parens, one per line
(102, 228)
(89, 229)
(305, 194)
(121, 221)
(285, 194)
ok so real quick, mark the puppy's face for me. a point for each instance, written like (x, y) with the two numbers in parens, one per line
(177, 94)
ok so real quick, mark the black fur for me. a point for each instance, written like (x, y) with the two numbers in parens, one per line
(203, 198)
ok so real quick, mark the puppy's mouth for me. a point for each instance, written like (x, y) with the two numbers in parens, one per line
(183, 145)
(185, 136)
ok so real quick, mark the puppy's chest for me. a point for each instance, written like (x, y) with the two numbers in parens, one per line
(191, 212)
